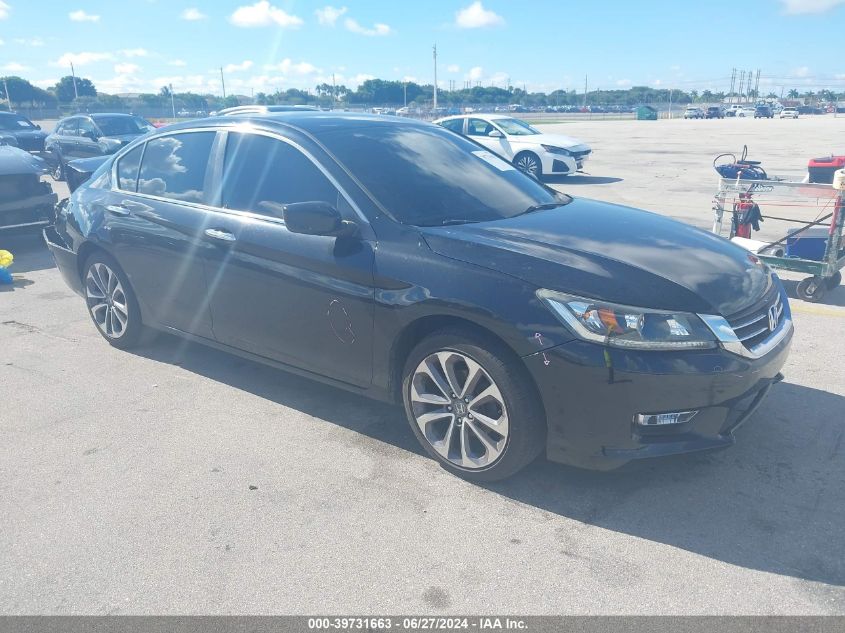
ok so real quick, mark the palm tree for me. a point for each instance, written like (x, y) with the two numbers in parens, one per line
(793, 94)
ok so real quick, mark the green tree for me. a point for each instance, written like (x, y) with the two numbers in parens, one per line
(21, 91)
(66, 93)
(793, 94)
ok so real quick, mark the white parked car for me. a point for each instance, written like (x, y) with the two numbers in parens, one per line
(693, 112)
(789, 113)
(526, 147)
(746, 112)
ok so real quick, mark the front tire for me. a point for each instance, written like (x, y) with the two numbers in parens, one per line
(472, 406)
(529, 163)
(58, 173)
(111, 302)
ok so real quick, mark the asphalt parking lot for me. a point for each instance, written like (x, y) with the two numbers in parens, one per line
(177, 479)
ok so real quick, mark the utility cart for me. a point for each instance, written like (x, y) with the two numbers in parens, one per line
(816, 248)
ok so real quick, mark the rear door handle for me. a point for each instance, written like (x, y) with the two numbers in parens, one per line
(117, 209)
(220, 234)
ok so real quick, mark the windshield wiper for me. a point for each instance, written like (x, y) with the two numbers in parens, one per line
(545, 206)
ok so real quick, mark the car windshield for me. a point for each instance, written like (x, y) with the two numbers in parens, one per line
(119, 125)
(515, 127)
(428, 176)
(15, 122)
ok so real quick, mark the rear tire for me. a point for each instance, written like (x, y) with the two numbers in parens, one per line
(111, 301)
(472, 405)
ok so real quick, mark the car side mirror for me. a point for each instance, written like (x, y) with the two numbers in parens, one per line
(317, 218)
(37, 127)
(495, 134)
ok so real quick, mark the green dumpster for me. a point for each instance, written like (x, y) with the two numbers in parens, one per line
(646, 113)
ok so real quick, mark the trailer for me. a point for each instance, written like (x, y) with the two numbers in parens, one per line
(816, 248)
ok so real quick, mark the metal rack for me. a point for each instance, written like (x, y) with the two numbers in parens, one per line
(820, 202)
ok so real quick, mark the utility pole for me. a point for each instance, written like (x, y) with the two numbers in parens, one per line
(741, 82)
(222, 82)
(334, 92)
(435, 76)
(172, 101)
(405, 94)
(73, 74)
(8, 98)
(757, 84)
(670, 103)
(733, 83)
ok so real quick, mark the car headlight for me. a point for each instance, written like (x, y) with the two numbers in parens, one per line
(627, 326)
(556, 150)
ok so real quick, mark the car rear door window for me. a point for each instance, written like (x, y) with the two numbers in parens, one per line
(262, 174)
(175, 166)
(479, 127)
(127, 169)
(456, 125)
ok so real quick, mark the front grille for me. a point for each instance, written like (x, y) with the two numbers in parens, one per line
(579, 156)
(751, 325)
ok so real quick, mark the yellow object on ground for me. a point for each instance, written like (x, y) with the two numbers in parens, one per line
(6, 259)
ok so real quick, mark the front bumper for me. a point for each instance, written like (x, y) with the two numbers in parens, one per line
(559, 164)
(592, 394)
(65, 258)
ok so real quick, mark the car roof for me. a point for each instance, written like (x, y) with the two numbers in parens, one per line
(313, 122)
(101, 115)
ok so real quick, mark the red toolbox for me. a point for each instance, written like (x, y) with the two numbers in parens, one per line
(821, 169)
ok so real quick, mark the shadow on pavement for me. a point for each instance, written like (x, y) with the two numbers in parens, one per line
(775, 502)
(835, 297)
(29, 251)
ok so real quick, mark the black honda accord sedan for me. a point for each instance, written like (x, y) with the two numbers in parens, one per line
(399, 260)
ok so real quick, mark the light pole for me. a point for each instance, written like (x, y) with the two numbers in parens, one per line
(435, 77)
(172, 101)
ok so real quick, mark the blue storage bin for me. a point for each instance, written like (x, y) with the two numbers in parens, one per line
(809, 244)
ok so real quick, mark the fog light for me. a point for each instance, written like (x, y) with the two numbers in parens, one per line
(661, 419)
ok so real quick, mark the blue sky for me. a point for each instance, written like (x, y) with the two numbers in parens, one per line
(140, 45)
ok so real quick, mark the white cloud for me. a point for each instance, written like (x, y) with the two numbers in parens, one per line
(193, 14)
(475, 73)
(359, 79)
(81, 59)
(135, 52)
(327, 16)
(263, 14)
(810, 6)
(32, 41)
(236, 68)
(453, 68)
(475, 16)
(803, 71)
(378, 28)
(411, 79)
(4, 10)
(45, 83)
(287, 66)
(176, 62)
(14, 67)
(126, 69)
(82, 16)
(623, 83)
(657, 82)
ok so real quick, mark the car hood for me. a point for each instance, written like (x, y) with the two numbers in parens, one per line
(17, 161)
(619, 254)
(558, 140)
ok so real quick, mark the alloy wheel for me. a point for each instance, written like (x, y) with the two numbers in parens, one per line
(106, 300)
(459, 409)
(528, 164)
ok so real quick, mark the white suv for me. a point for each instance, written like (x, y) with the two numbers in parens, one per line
(789, 113)
(526, 147)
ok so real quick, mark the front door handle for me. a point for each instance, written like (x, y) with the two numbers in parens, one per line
(220, 234)
(117, 209)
